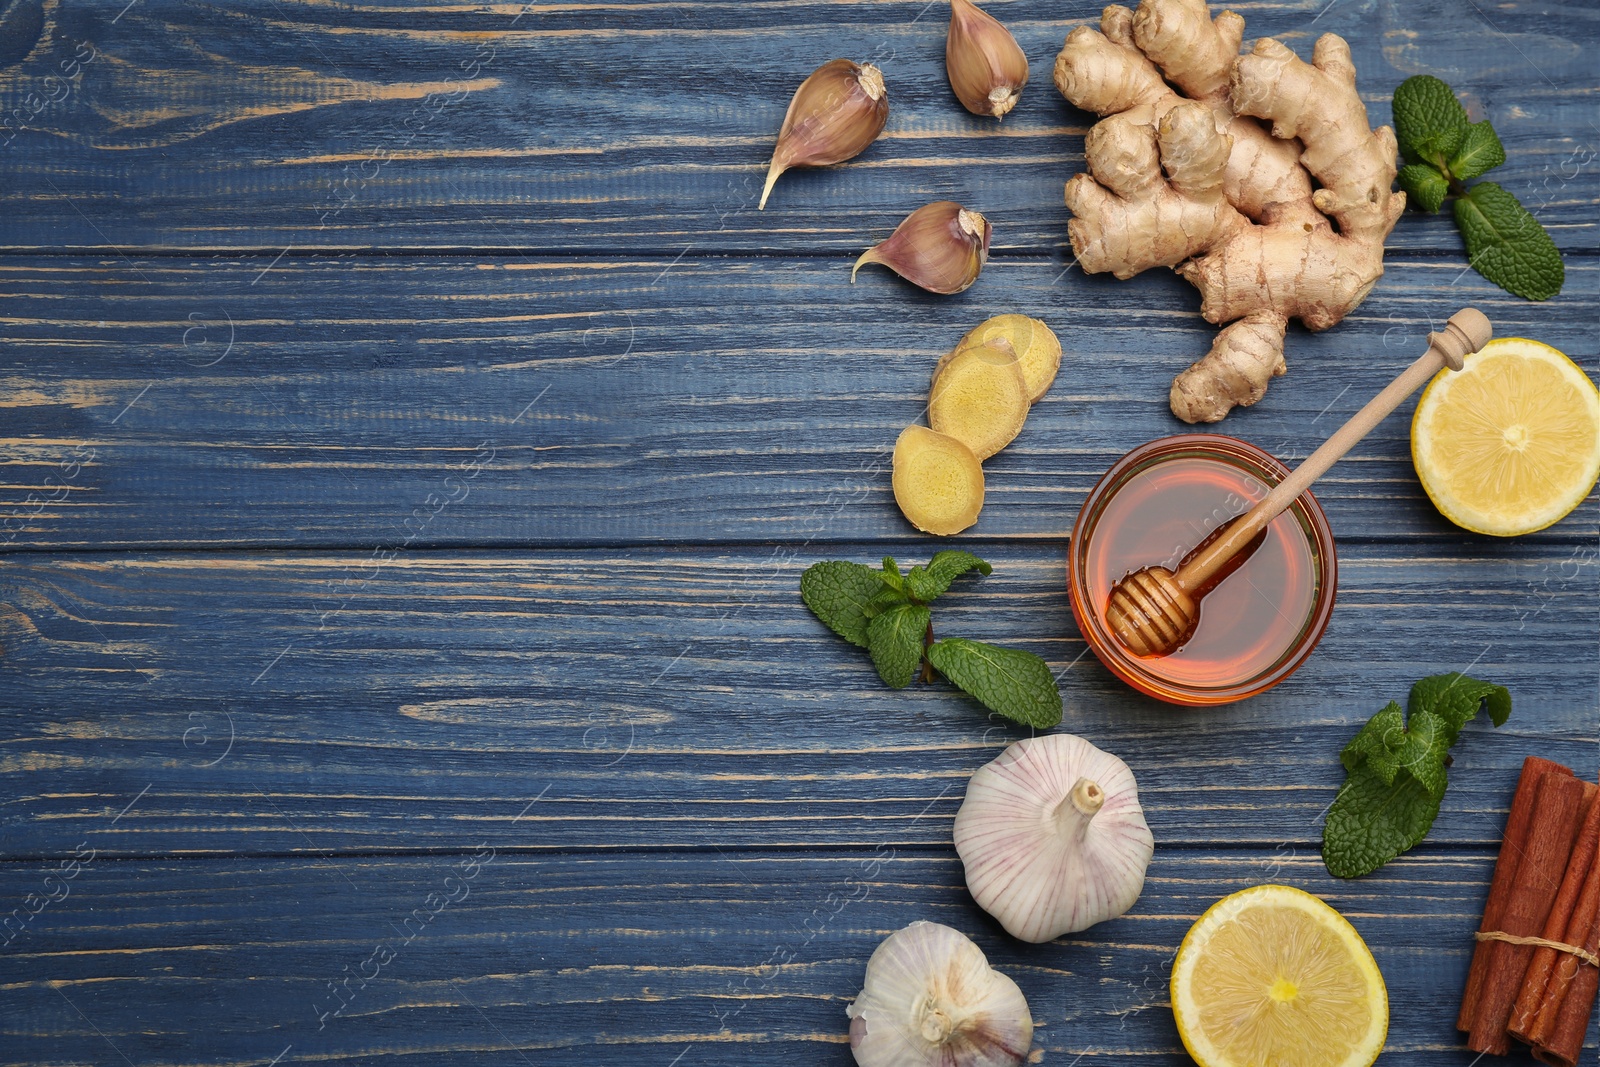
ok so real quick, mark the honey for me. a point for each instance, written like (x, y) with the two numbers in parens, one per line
(1259, 616)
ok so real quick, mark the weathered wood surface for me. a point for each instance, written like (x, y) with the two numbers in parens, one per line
(324, 401)
(412, 437)
(648, 126)
(580, 959)
(684, 698)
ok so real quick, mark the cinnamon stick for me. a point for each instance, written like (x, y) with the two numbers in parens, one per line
(1513, 844)
(1536, 981)
(1562, 1042)
(1551, 832)
(1558, 1032)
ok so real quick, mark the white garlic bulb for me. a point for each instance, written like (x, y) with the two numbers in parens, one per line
(930, 997)
(1053, 838)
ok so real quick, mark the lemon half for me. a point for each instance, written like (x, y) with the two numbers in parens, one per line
(1511, 442)
(1273, 977)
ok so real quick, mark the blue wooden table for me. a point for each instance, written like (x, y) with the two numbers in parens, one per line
(413, 437)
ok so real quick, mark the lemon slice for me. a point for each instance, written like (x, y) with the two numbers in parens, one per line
(1273, 977)
(1511, 442)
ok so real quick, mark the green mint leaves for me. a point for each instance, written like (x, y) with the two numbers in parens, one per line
(1480, 151)
(1442, 150)
(1396, 772)
(1017, 684)
(887, 613)
(841, 594)
(926, 583)
(1507, 245)
(895, 642)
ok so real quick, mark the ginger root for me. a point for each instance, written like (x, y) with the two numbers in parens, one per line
(1270, 224)
(980, 398)
(938, 482)
(1036, 345)
(977, 403)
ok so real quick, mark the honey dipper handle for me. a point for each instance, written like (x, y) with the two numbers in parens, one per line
(1467, 331)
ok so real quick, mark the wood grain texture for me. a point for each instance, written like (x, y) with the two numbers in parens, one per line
(304, 702)
(568, 960)
(321, 401)
(411, 438)
(648, 126)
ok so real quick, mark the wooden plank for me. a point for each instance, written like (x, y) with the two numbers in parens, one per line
(567, 960)
(644, 126)
(171, 401)
(315, 703)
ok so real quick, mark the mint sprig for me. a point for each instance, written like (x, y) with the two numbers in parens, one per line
(1397, 771)
(1443, 150)
(887, 613)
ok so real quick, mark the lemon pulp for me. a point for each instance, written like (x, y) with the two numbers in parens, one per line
(1274, 977)
(1511, 442)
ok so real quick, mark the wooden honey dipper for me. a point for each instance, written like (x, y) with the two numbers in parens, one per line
(1153, 611)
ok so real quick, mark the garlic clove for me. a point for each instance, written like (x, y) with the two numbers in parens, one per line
(1053, 838)
(940, 246)
(835, 114)
(986, 66)
(930, 997)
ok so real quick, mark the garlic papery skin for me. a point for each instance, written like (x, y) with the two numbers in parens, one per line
(941, 247)
(931, 998)
(986, 66)
(1052, 837)
(835, 114)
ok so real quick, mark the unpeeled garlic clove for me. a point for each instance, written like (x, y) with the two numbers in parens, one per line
(930, 997)
(986, 66)
(941, 246)
(835, 114)
(1052, 837)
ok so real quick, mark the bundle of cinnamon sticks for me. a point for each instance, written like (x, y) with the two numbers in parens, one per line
(1534, 972)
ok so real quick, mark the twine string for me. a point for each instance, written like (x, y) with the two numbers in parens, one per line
(1542, 942)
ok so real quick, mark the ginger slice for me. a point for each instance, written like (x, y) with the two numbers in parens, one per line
(980, 398)
(938, 482)
(1037, 348)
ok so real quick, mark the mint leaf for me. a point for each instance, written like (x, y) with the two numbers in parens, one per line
(883, 601)
(1455, 699)
(1480, 151)
(1425, 187)
(1397, 772)
(1429, 122)
(1371, 823)
(1014, 683)
(838, 592)
(1388, 746)
(1422, 752)
(895, 640)
(928, 583)
(890, 575)
(1507, 245)
(1372, 745)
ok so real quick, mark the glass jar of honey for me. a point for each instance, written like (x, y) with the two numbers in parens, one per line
(1258, 621)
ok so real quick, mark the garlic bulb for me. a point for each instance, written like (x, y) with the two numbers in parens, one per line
(986, 66)
(940, 246)
(835, 114)
(1053, 838)
(930, 997)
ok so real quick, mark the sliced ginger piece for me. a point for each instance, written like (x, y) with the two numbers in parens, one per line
(938, 482)
(980, 397)
(1037, 348)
